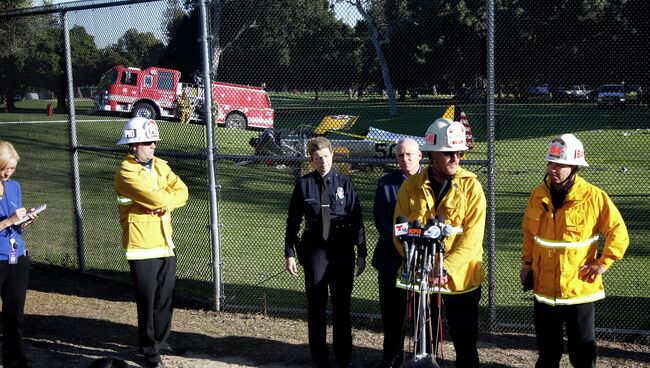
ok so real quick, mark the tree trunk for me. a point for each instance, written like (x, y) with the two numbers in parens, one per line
(11, 104)
(61, 105)
(214, 63)
(388, 84)
(374, 38)
(215, 29)
(61, 94)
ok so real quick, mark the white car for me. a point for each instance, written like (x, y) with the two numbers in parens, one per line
(576, 92)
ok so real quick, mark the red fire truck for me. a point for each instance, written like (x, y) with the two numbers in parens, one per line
(154, 93)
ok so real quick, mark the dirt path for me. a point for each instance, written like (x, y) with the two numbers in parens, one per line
(73, 319)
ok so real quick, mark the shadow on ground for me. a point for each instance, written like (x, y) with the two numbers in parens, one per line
(73, 319)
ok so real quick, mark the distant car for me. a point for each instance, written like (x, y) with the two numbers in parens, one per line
(576, 92)
(541, 92)
(373, 91)
(611, 95)
(633, 94)
(469, 94)
(417, 91)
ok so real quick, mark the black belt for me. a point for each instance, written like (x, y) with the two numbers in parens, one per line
(335, 227)
(340, 225)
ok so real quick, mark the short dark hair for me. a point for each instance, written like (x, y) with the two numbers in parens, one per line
(317, 144)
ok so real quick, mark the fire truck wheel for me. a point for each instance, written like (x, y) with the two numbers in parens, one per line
(144, 110)
(235, 120)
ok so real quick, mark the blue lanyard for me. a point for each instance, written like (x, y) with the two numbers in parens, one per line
(5, 207)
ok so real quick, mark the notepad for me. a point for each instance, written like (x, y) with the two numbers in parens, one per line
(36, 211)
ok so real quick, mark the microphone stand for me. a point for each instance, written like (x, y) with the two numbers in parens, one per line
(421, 329)
(440, 251)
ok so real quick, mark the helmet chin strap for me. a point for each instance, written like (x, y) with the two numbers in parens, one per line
(132, 151)
(566, 182)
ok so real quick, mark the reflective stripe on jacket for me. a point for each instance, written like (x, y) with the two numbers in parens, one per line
(464, 208)
(147, 235)
(557, 242)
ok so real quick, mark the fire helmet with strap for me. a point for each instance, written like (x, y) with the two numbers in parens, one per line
(445, 135)
(566, 149)
(138, 130)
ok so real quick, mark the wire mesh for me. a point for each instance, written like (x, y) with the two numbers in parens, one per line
(361, 73)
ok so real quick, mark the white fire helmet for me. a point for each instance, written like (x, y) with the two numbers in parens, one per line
(445, 135)
(566, 149)
(138, 130)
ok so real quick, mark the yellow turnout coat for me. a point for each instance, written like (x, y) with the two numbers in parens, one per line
(145, 234)
(558, 241)
(464, 209)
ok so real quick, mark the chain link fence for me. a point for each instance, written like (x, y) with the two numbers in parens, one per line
(361, 73)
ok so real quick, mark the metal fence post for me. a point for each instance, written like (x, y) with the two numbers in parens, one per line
(74, 154)
(207, 94)
(491, 195)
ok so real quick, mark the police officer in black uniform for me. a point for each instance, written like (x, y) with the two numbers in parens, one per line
(333, 226)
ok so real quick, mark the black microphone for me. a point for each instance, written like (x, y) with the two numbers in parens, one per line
(430, 222)
(431, 234)
(415, 241)
(401, 227)
(401, 230)
(415, 232)
(441, 219)
(445, 231)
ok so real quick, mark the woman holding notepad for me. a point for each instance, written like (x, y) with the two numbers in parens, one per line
(14, 262)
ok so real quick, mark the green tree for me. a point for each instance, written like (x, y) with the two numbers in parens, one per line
(324, 54)
(562, 42)
(46, 64)
(182, 51)
(85, 57)
(228, 21)
(452, 42)
(378, 24)
(254, 41)
(134, 48)
(14, 36)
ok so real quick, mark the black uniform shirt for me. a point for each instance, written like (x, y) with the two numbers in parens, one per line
(305, 203)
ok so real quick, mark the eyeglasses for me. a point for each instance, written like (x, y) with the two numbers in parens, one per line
(459, 154)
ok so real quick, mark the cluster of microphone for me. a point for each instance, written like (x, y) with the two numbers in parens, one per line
(420, 242)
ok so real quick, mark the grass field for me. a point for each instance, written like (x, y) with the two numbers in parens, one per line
(253, 197)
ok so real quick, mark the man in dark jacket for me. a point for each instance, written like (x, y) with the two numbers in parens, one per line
(386, 259)
(326, 199)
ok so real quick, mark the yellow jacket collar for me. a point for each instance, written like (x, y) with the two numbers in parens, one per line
(576, 192)
(132, 164)
(460, 174)
(424, 182)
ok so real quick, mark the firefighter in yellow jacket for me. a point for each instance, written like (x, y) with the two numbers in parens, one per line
(147, 192)
(184, 108)
(565, 218)
(446, 189)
